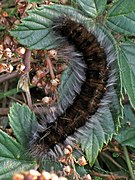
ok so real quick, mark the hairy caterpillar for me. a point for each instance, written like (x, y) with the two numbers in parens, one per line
(91, 88)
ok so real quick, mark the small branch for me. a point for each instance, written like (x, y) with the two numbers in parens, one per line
(27, 61)
(128, 163)
(109, 176)
(4, 102)
(17, 100)
(26, 74)
(9, 76)
(4, 111)
(50, 66)
(28, 95)
(112, 160)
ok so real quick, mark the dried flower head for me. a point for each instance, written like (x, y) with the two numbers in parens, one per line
(8, 53)
(52, 53)
(67, 170)
(20, 68)
(82, 161)
(87, 177)
(68, 150)
(46, 100)
(18, 177)
(55, 82)
(46, 175)
(21, 50)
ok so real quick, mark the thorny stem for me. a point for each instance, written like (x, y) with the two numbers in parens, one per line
(109, 176)
(5, 99)
(128, 163)
(50, 66)
(111, 159)
(27, 61)
(4, 111)
(17, 100)
(26, 72)
(8, 76)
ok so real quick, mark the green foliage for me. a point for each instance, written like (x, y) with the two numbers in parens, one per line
(37, 1)
(92, 8)
(35, 32)
(100, 132)
(36, 28)
(126, 135)
(13, 157)
(121, 17)
(127, 69)
(2, 28)
(23, 122)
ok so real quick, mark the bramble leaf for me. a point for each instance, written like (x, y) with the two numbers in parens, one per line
(127, 69)
(23, 123)
(12, 157)
(121, 17)
(35, 31)
(126, 135)
(93, 8)
(98, 132)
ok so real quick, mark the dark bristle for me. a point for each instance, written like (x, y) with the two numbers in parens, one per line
(93, 89)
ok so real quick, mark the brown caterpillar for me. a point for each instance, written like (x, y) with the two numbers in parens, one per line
(92, 63)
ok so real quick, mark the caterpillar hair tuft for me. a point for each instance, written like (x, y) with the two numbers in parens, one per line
(89, 93)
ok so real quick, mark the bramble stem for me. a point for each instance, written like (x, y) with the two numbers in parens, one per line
(49, 63)
(128, 163)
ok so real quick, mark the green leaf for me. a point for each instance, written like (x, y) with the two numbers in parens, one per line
(9, 93)
(127, 69)
(126, 135)
(129, 116)
(121, 17)
(2, 28)
(48, 164)
(23, 123)
(37, 1)
(35, 31)
(92, 8)
(12, 157)
(98, 132)
(81, 170)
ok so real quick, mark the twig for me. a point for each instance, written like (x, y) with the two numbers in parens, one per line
(109, 176)
(50, 66)
(24, 97)
(17, 100)
(113, 161)
(26, 73)
(4, 111)
(9, 76)
(128, 163)
(27, 56)
(4, 102)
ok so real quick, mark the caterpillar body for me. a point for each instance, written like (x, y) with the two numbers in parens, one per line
(90, 92)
